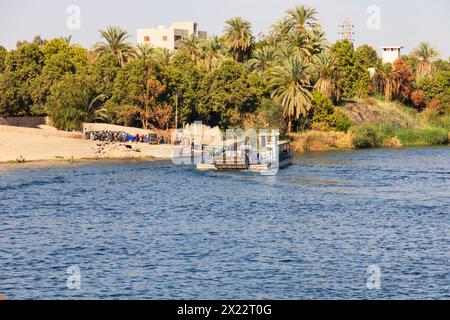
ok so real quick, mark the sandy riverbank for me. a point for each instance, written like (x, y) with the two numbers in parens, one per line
(48, 145)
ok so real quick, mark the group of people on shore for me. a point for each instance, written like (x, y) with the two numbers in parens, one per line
(121, 136)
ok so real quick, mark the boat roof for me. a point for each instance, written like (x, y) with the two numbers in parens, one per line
(231, 142)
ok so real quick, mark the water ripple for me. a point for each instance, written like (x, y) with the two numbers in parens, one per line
(157, 231)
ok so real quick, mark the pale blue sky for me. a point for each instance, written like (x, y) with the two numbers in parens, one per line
(403, 22)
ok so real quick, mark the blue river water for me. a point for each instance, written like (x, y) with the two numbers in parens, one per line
(154, 230)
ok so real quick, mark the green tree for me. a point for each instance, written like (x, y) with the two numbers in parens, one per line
(182, 78)
(116, 43)
(3, 53)
(226, 96)
(344, 54)
(72, 101)
(238, 35)
(56, 66)
(104, 72)
(325, 116)
(353, 68)
(367, 57)
(60, 58)
(139, 85)
(289, 88)
(76, 54)
(436, 86)
(22, 66)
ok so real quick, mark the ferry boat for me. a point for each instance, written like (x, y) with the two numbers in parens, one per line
(267, 155)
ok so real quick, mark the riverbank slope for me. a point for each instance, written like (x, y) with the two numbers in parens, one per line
(377, 123)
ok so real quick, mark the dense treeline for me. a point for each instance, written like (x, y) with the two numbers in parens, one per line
(291, 78)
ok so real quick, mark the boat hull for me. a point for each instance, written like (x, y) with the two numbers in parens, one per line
(251, 167)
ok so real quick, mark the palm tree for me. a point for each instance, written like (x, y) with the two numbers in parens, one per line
(280, 30)
(301, 45)
(67, 39)
(285, 50)
(212, 52)
(144, 51)
(288, 86)
(91, 110)
(303, 19)
(238, 35)
(39, 41)
(426, 53)
(192, 45)
(116, 44)
(326, 75)
(163, 56)
(263, 59)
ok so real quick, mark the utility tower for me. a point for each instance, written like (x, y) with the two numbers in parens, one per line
(346, 30)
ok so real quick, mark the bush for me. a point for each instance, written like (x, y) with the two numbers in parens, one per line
(418, 99)
(367, 136)
(340, 120)
(327, 117)
(435, 105)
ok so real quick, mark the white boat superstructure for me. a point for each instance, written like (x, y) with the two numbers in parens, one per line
(268, 153)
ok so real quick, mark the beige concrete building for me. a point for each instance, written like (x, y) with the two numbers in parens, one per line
(162, 37)
(390, 54)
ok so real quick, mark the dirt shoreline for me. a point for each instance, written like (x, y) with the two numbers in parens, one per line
(36, 145)
(37, 164)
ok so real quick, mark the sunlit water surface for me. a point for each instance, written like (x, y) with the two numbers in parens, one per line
(153, 230)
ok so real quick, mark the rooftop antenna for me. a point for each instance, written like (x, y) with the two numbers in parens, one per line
(346, 30)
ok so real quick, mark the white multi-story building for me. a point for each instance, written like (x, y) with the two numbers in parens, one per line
(390, 54)
(162, 37)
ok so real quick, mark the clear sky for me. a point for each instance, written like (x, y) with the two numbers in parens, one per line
(403, 22)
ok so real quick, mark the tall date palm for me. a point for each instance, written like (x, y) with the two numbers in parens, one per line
(192, 45)
(212, 52)
(326, 75)
(289, 88)
(303, 19)
(426, 53)
(238, 35)
(264, 59)
(115, 44)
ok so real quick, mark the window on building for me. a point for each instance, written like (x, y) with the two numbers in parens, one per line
(147, 39)
(164, 38)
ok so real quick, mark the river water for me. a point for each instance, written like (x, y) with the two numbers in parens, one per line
(153, 230)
